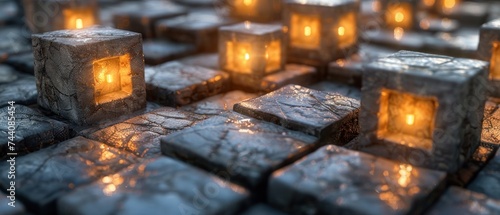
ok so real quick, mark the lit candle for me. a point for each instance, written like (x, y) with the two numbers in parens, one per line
(410, 119)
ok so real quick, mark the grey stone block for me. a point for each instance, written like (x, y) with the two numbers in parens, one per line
(141, 135)
(292, 74)
(33, 131)
(160, 51)
(210, 60)
(339, 88)
(44, 176)
(334, 180)
(488, 180)
(245, 150)
(16, 87)
(428, 107)
(457, 200)
(321, 32)
(90, 74)
(218, 104)
(23, 62)
(316, 113)
(175, 84)
(155, 187)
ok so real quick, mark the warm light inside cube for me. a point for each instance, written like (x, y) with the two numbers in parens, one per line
(77, 18)
(247, 7)
(448, 5)
(407, 119)
(428, 3)
(273, 56)
(239, 57)
(305, 31)
(112, 79)
(399, 15)
(346, 30)
(495, 62)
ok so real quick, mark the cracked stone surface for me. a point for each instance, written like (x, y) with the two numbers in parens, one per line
(317, 113)
(160, 51)
(154, 187)
(334, 180)
(175, 84)
(44, 176)
(140, 135)
(292, 74)
(33, 131)
(457, 200)
(218, 104)
(244, 149)
(339, 88)
(262, 209)
(17, 87)
(22, 62)
(210, 60)
(490, 135)
(488, 180)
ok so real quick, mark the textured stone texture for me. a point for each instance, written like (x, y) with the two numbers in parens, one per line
(488, 41)
(462, 43)
(159, 186)
(64, 64)
(33, 131)
(13, 40)
(44, 176)
(210, 60)
(256, 11)
(335, 180)
(317, 113)
(409, 40)
(488, 180)
(235, 146)
(339, 88)
(471, 167)
(490, 135)
(23, 62)
(17, 87)
(140, 135)
(144, 15)
(458, 87)
(175, 84)
(292, 74)
(218, 104)
(262, 209)
(160, 51)
(5, 209)
(460, 201)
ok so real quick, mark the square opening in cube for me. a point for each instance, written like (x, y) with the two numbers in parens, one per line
(112, 79)
(239, 57)
(495, 62)
(77, 18)
(399, 15)
(347, 30)
(305, 31)
(273, 56)
(407, 119)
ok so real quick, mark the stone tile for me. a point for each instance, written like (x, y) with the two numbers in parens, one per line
(262, 209)
(334, 180)
(33, 131)
(6, 209)
(140, 135)
(408, 41)
(158, 186)
(160, 51)
(245, 150)
(17, 87)
(293, 74)
(317, 113)
(460, 201)
(490, 135)
(339, 88)
(488, 179)
(175, 84)
(44, 176)
(23, 62)
(218, 104)
(210, 60)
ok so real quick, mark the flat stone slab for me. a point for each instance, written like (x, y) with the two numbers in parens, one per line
(488, 180)
(156, 187)
(44, 176)
(317, 113)
(490, 135)
(140, 135)
(262, 209)
(175, 84)
(339, 88)
(245, 150)
(33, 131)
(210, 60)
(218, 104)
(334, 180)
(160, 51)
(22, 62)
(457, 200)
(18, 87)
(293, 74)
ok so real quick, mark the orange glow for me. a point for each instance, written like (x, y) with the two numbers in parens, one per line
(77, 18)
(305, 31)
(247, 2)
(405, 171)
(399, 15)
(79, 23)
(238, 57)
(429, 3)
(398, 33)
(273, 56)
(109, 78)
(410, 119)
(495, 62)
(247, 56)
(449, 4)
(341, 31)
(112, 80)
(347, 30)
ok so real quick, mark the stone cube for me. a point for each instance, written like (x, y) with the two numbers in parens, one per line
(489, 50)
(255, 10)
(250, 51)
(321, 31)
(428, 106)
(90, 74)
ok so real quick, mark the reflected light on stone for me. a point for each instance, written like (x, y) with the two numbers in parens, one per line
(449, 4)
(425, 24)
(405, 171)
(398, 33)
(247, 2)
(111, 183)
(376, 6)
(429, 3)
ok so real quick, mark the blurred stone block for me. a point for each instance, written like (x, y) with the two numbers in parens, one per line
(316, 113)
(33, 131)
(262, 209)
(339, 88)
(160, 51)
(43, 177)
(218, 104)
(90, 74)
(489, 50)
(6, 209)
(175, 84)
(210, 60)
(463, 43)
(23, 62)
(292, 74)
(457, 200)
(469, 13)
(245, 150)
(156, 187)
(396, 39)
(140, 135)
(487, 181)
(334, 180)
(13, 40)
(17, 87)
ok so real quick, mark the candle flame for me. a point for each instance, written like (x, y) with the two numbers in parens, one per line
(109, 78)
(341, 31)
(307, 31)
(247, 2)
(399, 17)
(410, 119)
(449, 4)
(398, 33)
(247, 56)
(79, 23)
